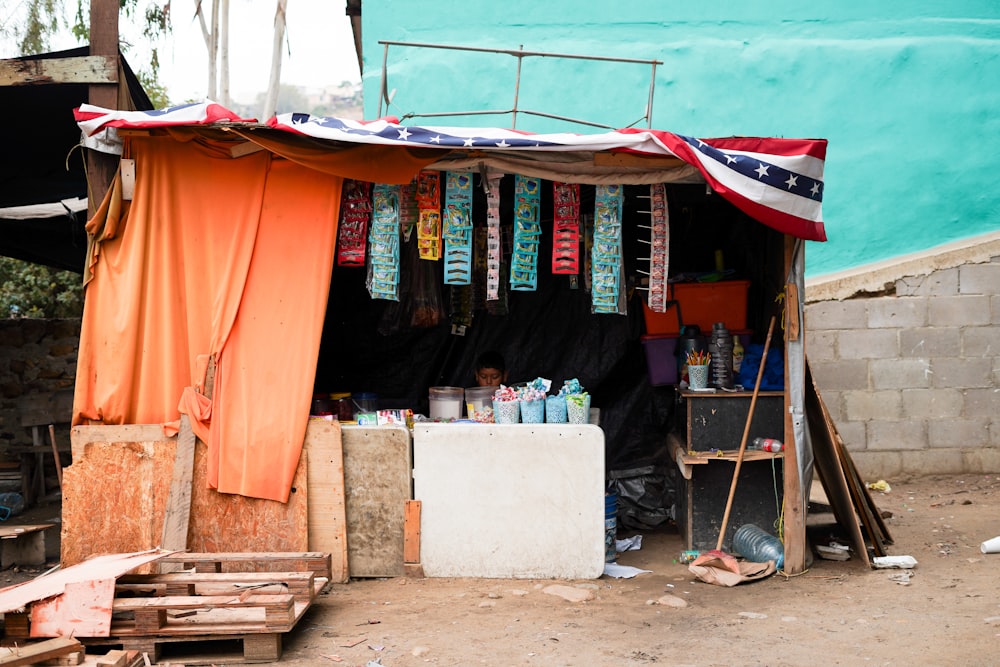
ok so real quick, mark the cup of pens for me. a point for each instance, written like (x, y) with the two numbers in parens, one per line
(697, 367)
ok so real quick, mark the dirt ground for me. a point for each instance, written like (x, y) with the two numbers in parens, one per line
(836, 613)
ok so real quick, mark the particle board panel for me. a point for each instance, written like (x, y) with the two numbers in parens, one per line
(377, 481)
(115, 497)
(510, 501)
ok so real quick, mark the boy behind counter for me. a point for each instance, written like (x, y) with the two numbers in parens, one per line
(491, 371)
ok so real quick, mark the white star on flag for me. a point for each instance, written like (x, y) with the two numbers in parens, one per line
(761, 171)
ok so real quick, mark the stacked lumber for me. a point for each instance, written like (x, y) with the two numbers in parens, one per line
(247, 600)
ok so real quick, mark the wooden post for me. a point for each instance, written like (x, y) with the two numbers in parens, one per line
(103, 42)
(794, 512)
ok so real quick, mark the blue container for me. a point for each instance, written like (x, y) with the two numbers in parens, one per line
(758, 546)
(610, 527)
(533, 412)
(506, 412)
(555, 409)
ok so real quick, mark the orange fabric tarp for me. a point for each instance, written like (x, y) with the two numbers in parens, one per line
(214, 256)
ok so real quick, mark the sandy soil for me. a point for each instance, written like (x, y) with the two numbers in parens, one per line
(836, 613)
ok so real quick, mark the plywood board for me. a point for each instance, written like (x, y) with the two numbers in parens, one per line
(327, 515)
(510, 501)
(376, 487)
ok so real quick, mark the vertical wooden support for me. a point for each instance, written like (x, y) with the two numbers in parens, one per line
(411, 532)
(794, 511)
(178, 512)
(103, 42)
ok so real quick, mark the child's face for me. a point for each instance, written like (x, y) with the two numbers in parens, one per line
(490, 377)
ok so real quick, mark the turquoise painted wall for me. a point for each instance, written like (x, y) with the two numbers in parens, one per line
(907, 93)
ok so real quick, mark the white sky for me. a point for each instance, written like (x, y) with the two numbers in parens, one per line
(319, 48)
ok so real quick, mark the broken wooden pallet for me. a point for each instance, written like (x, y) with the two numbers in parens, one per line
(313, 561)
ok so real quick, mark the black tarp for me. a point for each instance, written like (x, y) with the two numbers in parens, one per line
(547, 333)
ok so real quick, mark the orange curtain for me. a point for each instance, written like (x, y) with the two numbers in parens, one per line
(215, 255)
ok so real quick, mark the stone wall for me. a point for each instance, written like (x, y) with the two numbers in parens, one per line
(912, 376)
(37, 374)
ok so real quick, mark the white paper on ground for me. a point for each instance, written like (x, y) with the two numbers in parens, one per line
(633, 543)
(894, 561)
(622, 571)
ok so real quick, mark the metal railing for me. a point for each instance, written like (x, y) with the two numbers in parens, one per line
(385, 97)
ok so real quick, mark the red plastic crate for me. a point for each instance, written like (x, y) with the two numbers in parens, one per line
(703, 304)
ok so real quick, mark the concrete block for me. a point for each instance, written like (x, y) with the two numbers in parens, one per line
(840, 375)
(821, 345)
(854, 434)
(869, 344)
(983, 402)
(834, 402)
(897, 312)
(831, 315)
(985, 460)
(958, 433)
(946, 311)
(981, 342)
(995, 310)
(930, 342)
(995, 433)
(962, 373)
(933, 462)
(979, 278)
(935, 284)
(897, 435)
(932, 404)
(873, 466)
(869, 405)
(899, 373)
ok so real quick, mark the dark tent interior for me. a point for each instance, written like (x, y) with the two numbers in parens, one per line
(376, 346)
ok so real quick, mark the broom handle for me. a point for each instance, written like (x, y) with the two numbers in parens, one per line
(746, 432)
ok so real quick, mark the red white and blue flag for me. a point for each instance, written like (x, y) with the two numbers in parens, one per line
(776, 181)
(93, 119)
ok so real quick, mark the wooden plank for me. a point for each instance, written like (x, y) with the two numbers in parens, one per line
(299, 584)
(150, 613)
(327, 510)
(81, 436)
(377, 484)
(316, 562)
(411, 532)
(36, 71)
(31, 654)
(831, 473)
(177, 515)
(113, 658)
(82, 610)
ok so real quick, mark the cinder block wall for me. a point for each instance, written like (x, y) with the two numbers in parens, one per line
(37, 360)
(912, 379)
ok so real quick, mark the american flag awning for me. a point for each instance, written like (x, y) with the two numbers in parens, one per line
(778, 182)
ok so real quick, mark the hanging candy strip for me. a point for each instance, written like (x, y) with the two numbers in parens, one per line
(409, 213)
(429, 218)
(659, 248)
(566, 228)
(493, 257)
(355, 214)
(527, 231)
(457, 231)
(606, 255)
(383, 255)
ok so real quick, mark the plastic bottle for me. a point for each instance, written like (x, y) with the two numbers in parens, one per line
(758, 546)
(738, 352)
(720, 346)
(768, 444)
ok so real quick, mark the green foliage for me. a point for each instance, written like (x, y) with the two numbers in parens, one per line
(157, 91)
(41, 21)
(33, 290)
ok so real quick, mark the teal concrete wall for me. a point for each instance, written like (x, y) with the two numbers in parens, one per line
(907, 93)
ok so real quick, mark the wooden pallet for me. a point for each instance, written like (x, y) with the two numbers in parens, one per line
(207, 605)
